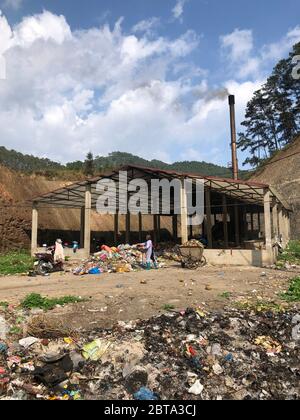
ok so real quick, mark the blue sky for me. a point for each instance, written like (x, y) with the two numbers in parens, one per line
(147, 77)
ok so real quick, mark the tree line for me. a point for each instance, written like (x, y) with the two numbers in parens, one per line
(272, 119)
(91, 166)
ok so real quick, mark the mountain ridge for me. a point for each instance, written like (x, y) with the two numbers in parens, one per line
(29, 164)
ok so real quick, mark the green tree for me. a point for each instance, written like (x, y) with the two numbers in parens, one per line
(272, 117)
(88, 168)
(75, 166)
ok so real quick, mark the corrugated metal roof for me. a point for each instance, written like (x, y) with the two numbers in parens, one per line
(73, 195)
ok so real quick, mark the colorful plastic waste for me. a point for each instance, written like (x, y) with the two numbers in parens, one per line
(28, 342)
(121, 259)
(197, 388)
(174, 356)
(95, 350)
(269, 344)
(95, 271)
(3, 348)
(3, 328)
(228, 357)
(145, 394)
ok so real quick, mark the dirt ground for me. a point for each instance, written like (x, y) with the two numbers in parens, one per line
(125, 297)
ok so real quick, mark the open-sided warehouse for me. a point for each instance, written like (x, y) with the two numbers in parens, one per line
(243, 220)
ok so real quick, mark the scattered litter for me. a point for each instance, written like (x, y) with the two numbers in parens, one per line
(296, 333)
(3, 328)
(51, 357)
(197, 388)
(228, 357)
(95, 350)
(218, 370)
(125, 259)
(272, 346)
(3, 348)
(144, 394)
(28, 342)
(95, 271)
(42, 326)
(136, 379)
(174, 356)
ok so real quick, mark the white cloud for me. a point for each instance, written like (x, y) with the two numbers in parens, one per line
(146, 25)
(237, 48)
(99, 89)
(277, 50)
(178, 9)
(238, 44)
(246, 62)
(69, 92)
(6, 34)
(12, 4)
(45, 26)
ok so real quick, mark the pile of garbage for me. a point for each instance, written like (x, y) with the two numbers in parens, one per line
(193, 355)
(121, 259)
(194, 243)
(168, 252)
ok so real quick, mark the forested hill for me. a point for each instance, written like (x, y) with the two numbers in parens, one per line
(34, 165)
(25, 163)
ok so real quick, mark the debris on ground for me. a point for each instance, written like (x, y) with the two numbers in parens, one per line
(121, 259)
(44, 327)
(236, 354)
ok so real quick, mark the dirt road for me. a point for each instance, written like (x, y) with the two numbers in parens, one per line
(114, 297)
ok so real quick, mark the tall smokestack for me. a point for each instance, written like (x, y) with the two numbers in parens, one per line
(235, 166)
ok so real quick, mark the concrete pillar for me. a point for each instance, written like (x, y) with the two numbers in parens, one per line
(184, 215)
(245, 223)
(258, 222)
(116, 228)
(155, 228)
(140, 227)
(82, 216)
(237, 223)
(191, 232)
(252, 224)
(175, 227)
(282, 226)
(128, 227)
(268, 226)
(34, 229)
(208, 217)
(158, 228)
(87, 220)
(287, 227)
(275, 222)
(225, 220)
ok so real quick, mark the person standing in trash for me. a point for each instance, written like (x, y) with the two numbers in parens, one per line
(150, 256)
(59, 255)
(153, 258)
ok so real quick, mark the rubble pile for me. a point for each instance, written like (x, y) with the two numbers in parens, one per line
(189, 355)
(123, 259)
(168, 252)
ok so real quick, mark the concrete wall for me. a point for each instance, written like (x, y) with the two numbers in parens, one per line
(295, 220)
(241, 257)
(80, 254)
(283, 173)
(217, 257)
